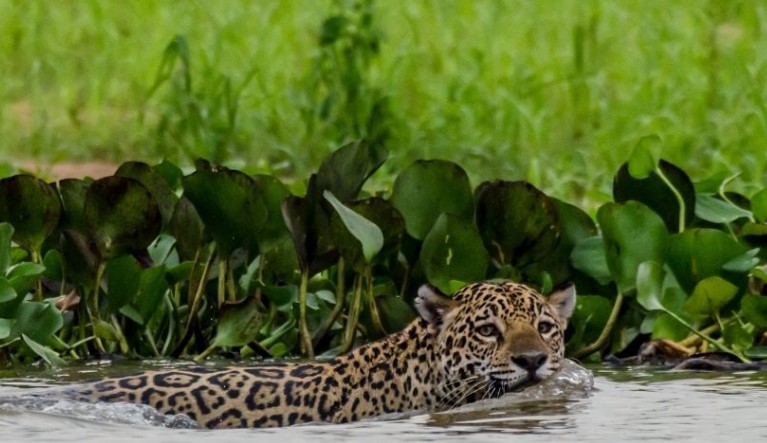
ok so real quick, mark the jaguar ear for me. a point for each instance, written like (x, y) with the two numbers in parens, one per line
(563, 301)
(433, 305)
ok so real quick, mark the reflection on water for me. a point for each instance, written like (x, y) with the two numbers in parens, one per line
(624, 405)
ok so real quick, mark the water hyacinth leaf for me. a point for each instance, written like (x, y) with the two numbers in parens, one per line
(387, 218)
(37, 320)
(273, 193)
(282, 296)
(633, 234)
(345, 170)
(574, 226)
(155, 182)
(642, 163)
(32, 207)
(714, 210)
(396, 313)
(6, 325)
(49, 355)
(737, 335)
(364, 231)
(239, 323)
(754, 309)
(7, 293)
(518, 223)
(649, 284)
(152, 287)
(709, 296)
(122, 278)
(122, 215)
(72, 192)
(655, 192)
(6, 236)
(589, 257)
(668, 327)
(230, 205)
(10, 304)
(24, 276)
(453, 250)
(589, 319)
(188, 229)
(759, 206)
(697, 254)
(756, 352)
(743, 263)
(428, 188)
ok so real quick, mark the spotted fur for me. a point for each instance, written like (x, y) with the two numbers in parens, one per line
(484, 341)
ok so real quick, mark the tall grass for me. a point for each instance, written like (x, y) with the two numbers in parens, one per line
(554, 92)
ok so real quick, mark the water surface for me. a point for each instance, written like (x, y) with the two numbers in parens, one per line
(636, 404)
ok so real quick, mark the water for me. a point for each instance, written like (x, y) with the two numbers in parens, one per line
(624, 405)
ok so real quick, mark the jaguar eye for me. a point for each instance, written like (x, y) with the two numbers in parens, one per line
(545, 327)
(487, 330)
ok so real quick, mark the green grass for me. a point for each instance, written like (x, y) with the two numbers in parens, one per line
(554, 92)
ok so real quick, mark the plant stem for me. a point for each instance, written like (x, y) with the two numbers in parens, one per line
(374, 315)
(605, 335)
(351, 319)
(221, 281)
(306, 337)
(327, 323)
(677, 195)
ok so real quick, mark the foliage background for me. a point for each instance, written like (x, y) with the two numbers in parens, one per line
(553, 92)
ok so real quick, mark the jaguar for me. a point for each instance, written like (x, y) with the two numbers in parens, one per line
(486, 340)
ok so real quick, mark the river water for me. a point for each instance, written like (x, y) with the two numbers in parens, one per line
(578, 405)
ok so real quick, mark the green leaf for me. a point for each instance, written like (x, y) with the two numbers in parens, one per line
(188, 229)
(396, 313)
(655, 192)
(122, 277)
(230, 204)
(122, 215)
(697, 254)
(345, 170)
(649, 284)
(152, 288)
(428, 188)
(32, 207)
(714, 210)
(668, 327)
(642, 163)
(38, 320)
(155, 182)
(24, 276)
(759, 206)
(589, 319)
(49, 355)
(6, 236)
(6, 325)
(589, 257)
(756, 352)
(72, 192)
(239, 323)
(518, 223)
(366, 232)
(282, 296)
(633, 234)
(754, 309)
(7, 293)
(743, 263)
(737, 335)
(453, 250)
(709, 296)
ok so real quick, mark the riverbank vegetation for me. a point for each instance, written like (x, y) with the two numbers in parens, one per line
(291, 172)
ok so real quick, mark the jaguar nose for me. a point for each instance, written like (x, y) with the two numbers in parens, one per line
(530, 361)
